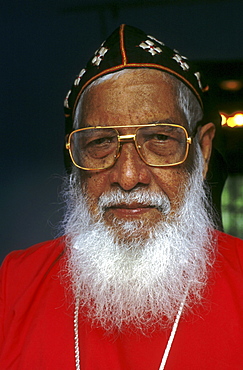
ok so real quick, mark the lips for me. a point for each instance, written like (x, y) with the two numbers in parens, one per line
(133, 209)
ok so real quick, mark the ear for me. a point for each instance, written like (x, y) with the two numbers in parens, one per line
(206, 135)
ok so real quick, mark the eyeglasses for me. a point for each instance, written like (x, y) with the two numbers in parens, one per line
(158, 145)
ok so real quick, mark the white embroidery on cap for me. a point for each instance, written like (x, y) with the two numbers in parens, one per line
(81, 73)
(99, 56)
(181, 61)
(198, 76)
(153, 38)
(66, 105)
(150, 47)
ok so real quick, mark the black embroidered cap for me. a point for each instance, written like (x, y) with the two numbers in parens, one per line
(129, 47)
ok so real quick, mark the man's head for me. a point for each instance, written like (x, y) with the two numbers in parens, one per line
(129, 98)
(137, 224)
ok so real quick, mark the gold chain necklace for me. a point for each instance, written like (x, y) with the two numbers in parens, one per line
(168, 346)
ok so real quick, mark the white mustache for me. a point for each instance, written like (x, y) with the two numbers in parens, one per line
(142, 197)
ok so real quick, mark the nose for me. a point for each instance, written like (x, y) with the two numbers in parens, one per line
(129, 171)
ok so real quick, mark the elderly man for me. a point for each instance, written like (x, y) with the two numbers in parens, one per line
(141, 279)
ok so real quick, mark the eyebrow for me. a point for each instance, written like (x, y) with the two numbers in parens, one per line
(166, 120)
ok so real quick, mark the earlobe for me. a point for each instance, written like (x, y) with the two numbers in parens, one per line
(206, 135)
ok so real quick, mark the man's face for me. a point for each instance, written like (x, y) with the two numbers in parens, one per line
(132, 99)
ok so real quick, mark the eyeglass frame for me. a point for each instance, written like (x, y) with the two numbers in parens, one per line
(122, 139)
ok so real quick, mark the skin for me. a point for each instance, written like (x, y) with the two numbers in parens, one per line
(137, 98)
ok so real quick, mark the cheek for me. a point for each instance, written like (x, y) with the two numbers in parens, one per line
(94, 184)
(171, 181)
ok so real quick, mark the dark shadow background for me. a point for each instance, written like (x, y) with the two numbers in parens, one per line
(44, 44)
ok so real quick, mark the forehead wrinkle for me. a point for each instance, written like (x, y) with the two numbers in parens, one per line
(135, 105)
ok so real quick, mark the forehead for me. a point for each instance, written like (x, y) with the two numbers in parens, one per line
(138, 96)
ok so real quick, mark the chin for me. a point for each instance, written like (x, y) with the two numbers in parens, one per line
(133, 232)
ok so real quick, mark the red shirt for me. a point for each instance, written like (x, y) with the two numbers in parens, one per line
(36, 320)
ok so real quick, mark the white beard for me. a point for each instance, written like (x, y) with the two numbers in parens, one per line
(135, 281)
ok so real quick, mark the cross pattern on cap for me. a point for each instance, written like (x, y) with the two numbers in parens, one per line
(99, 55)
(150, 47)
(180, 60)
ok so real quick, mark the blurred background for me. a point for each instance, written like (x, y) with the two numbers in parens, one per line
(45, 43)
